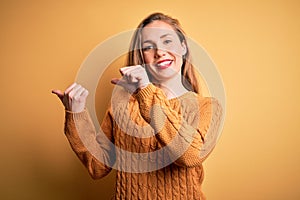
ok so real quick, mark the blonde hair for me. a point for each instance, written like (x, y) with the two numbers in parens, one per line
(135, 54)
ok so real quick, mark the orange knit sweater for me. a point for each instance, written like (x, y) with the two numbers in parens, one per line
(185, 128)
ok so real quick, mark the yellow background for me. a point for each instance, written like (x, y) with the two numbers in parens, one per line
(255, 45)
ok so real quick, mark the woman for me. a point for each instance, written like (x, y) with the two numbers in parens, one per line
(165, 99)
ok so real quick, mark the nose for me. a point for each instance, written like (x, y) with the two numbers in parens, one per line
(160, 52)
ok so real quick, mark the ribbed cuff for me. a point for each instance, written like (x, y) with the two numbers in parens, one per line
(77, 115)
(145, 92)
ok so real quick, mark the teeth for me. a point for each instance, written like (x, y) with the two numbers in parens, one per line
(164, 63)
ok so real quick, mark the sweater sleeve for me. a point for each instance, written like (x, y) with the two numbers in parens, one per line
(93, 150)
(185, 141)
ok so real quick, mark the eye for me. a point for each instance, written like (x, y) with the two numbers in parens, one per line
(168, 41)
(148, 48)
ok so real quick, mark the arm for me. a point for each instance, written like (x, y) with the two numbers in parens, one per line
(184, 140)
(90, 148)
(81, 133)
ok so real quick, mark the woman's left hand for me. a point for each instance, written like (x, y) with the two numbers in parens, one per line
(134, 77)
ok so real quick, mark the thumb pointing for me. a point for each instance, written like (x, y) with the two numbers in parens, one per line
(59, 93)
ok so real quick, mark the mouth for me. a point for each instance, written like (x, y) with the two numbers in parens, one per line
(163, 64)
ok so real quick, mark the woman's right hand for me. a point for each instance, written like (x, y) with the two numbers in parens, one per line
(73, 98)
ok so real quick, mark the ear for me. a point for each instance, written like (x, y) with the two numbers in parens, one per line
(184, 48)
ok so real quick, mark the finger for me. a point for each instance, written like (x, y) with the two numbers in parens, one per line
(59, 93)
(140, 74)
(136, 75)
(74, 90)
(129, 68)
(115, 81)
(120, 82)
(85, 93)
(131, 73)
(124, 69)
(78, 93)
(70, 88)
(132, 79)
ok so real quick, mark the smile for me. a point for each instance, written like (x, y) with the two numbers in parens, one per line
(164, 64)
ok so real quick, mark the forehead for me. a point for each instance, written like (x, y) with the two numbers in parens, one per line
(156, 29)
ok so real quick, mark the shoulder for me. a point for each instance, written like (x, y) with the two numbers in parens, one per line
(192, 98)
(207, 101)
(210, 107)
(197, 102)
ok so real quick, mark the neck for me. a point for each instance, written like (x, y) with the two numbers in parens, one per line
(172, 87)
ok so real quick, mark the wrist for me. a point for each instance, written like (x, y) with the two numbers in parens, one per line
(143, 85)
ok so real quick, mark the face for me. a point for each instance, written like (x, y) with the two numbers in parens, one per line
(162, 51)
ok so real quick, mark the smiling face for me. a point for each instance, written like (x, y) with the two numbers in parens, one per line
(162, 51)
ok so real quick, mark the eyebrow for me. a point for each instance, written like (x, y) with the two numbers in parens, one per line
(165, 35)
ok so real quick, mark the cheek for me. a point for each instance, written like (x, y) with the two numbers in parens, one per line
(179, 61)
(148, 58)
(176, 51)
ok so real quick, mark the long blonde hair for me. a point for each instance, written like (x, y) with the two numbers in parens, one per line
(135, 54)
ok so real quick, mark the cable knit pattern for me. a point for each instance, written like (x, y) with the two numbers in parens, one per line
(182, 129)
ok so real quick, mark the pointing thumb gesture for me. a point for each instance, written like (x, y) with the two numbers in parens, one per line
(73, 98)
(59, 93)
